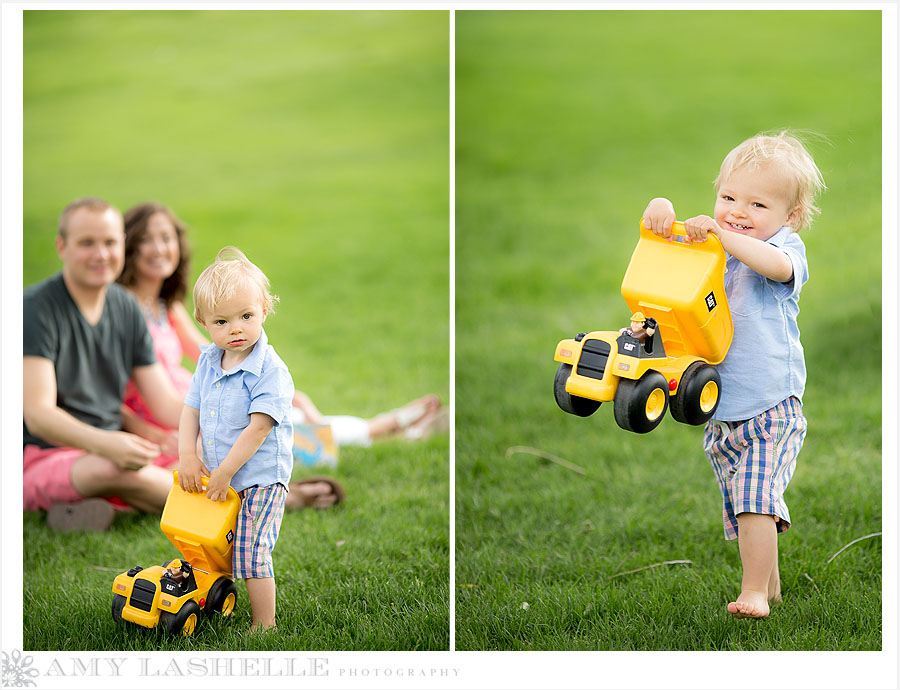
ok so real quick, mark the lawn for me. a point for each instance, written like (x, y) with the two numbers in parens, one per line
(567, 124)
(318, 143)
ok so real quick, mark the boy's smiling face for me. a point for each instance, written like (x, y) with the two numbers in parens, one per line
(235, 324)
(756, 201)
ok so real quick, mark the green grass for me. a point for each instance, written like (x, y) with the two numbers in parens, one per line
(317, 142)
(567, 123)
(348, 579)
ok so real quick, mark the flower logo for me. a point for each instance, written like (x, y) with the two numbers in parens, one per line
(17, 671)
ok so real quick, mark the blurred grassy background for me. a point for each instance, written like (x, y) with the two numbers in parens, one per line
(318, 143)
(315, 141)
(567, 124)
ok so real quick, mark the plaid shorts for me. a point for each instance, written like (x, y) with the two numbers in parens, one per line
(257, 530)
(754, 460)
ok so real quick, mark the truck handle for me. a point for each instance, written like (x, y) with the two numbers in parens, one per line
(677, 228)
(711, 243)
(203, 480)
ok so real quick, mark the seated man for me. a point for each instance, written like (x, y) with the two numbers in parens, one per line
(83, 338)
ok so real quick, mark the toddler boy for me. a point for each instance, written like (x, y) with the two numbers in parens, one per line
(239, 403)
(765, 192)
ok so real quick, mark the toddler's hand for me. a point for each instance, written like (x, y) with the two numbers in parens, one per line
(698, 227)
(659, 216)
(190, 471)
(217, 487)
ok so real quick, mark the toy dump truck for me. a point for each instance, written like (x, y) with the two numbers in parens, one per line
(174, 594)
(678, 287)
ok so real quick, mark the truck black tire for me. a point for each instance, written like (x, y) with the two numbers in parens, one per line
(118, 604)
(581, 407)
(184, 621)
(698, 394)
(222, 597)
(641, 405)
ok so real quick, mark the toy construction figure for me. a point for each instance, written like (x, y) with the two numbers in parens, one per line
(641, 328)
(177, 571)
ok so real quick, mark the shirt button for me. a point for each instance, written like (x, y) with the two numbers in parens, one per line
(218, 384)
(209, 443)
(212, 413)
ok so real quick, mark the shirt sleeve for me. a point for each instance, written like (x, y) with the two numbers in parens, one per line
(40, 332)
(192, 398)
(273, 393)
(795, 250)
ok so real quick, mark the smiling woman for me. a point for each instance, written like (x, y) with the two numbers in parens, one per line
(157, 256)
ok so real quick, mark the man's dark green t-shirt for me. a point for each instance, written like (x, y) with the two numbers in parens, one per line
(93, 363)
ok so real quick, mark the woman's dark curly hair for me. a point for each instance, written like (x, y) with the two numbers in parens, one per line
(174, 288)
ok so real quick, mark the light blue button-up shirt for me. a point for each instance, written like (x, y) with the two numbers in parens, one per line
(261, 383)
(765, 363)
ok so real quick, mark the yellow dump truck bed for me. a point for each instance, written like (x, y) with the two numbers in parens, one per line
(681, 285)
(201, 530)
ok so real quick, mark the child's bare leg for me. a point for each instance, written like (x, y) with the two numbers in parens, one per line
(775, 579)
(758, 544)
(396, 420)
(261, 591)
(775, 586)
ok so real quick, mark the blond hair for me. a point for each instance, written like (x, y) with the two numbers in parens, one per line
(786, 150)
(231, 270)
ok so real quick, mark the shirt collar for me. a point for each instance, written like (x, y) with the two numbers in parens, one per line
(252, 362)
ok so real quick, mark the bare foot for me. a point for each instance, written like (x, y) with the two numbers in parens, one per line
(400, 419)
(435, 421)
(257, 628)
(314, 493)
(750, 604)
(775, 594)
